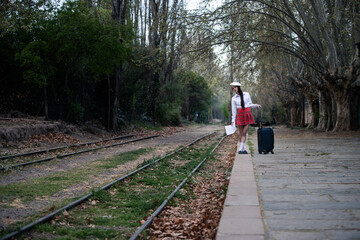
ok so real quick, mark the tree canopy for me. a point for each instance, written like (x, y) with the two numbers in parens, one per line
(153, 60)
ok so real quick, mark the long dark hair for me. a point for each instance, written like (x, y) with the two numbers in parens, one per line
(241, 96)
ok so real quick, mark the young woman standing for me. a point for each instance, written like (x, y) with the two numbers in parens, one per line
(241, 113)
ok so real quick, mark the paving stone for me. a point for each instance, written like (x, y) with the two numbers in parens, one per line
(239, 237)
(241, 200)
(310, 188)
(312, 214)
(244, 184)
(355, 213)
(241, 217)
(238, 190)
(298, 198)
(343, 234)
(345, 197)
(248, 226)
(239, 172)
(316, 205)
(309, 224)
(294, 235)
(233, 212)
(242, 178)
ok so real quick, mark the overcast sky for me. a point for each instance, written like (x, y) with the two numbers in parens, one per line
(194, 4)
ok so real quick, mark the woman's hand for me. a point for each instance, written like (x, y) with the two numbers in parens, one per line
(259, 106)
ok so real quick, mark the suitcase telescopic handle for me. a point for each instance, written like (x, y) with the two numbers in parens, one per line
(259, 115)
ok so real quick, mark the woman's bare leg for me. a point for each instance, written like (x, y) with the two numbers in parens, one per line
(244, 132)
(241, 130)
(242, 137)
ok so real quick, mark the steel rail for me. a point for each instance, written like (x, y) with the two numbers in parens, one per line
(165, 202)
(80, 200)
(62, 147)
(75, 153)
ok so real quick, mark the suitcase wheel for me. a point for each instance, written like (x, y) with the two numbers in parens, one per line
(272, 152)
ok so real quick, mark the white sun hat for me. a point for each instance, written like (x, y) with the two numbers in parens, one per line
(235, 84)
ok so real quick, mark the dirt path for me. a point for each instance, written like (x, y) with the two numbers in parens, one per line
(160, 146)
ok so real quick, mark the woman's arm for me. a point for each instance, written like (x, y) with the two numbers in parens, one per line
(233, 111)
(250, 104)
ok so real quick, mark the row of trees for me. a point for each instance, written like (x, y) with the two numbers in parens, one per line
(122, 60)
(296, 50)
(117, 61)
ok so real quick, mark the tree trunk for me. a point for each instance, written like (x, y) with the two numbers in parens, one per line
(316, 112)
(115, 111)
(332, 118)
(341, 98)
(293, 116)
(313, 110)
(119, 15)
(163, 31)
(109, 105)
(286, 115)
(144, 20)
(46, 107)
(133, 104)
(354, 108)
(302, 116)
(187, 107)
(324, 110)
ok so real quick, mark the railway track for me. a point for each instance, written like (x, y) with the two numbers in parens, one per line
(63, 147)
(24, 162)
(183, 163)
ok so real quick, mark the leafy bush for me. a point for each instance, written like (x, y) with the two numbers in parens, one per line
(170, 114)
(76, 112)
(225, 110)
(170, 104)
(196, 96)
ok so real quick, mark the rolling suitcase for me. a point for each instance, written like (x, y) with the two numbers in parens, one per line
(265, 139)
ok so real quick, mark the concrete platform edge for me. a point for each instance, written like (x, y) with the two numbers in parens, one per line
(241, 217)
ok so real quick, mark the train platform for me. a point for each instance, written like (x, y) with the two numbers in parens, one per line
(308, 189)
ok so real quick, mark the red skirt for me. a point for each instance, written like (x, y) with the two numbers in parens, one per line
(244, 117)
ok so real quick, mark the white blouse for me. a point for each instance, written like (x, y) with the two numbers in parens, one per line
(236, 103)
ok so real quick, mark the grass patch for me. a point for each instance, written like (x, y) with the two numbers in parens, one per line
(124, 206)
(32, 218)
(123, 158)
(251, 147)
(79, 233)
(251, 130)
(49, 185)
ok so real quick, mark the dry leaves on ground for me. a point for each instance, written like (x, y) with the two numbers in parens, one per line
(53, 138)
(198, 217)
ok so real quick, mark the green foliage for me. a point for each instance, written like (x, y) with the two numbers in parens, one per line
(65, 56)
(94, 49)
(170, 104)
(102, 195)
(135, 98)
(68, 49)
(196, 96)
(225, 110)
(170, 114)
(34, 59)
(76, 112)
